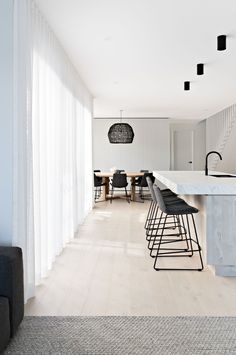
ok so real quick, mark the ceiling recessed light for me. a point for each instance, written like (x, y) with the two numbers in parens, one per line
(200, 69)
(221, 42)
(187, 85)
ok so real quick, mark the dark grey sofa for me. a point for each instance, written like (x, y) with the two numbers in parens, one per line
(11, 293)
(4, 323)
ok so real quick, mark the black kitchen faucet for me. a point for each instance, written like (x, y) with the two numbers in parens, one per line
(206, 166)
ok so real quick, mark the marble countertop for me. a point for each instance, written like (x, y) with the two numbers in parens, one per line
(196, 183)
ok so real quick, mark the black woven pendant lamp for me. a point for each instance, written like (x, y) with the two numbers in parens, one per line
(121, 133)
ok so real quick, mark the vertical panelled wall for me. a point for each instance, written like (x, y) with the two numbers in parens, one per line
(200, 145)
(221, 136)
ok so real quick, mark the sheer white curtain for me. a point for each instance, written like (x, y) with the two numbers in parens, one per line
(54, 144)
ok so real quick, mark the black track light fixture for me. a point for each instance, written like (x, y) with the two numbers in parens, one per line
(200, 69)
(187, 85)
(221, 43)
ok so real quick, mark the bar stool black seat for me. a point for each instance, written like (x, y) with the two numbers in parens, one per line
(164, 247)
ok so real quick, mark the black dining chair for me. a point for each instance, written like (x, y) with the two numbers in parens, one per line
(119, 181)
(119, 171)
(98, 183)
(142, 183)
(139, 178)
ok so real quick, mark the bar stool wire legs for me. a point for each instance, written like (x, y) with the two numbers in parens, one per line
(164, 248)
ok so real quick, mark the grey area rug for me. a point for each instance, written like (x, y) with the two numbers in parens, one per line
(125, 335)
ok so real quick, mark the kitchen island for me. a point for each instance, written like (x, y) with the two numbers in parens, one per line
(215, 197)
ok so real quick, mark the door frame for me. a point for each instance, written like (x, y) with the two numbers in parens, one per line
(172, 152)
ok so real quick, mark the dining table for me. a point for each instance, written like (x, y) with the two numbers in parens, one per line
(106, 178)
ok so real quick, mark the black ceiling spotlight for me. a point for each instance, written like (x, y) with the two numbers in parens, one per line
(121, 133)
(187, 85)
(200, 69)
(221, 42)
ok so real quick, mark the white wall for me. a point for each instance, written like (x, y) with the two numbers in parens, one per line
(149, 150)
(6, 121)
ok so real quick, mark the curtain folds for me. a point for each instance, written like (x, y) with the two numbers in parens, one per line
(53, 145)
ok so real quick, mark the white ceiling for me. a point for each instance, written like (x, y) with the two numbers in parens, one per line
(135, 54)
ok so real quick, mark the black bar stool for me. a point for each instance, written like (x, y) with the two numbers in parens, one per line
(153, 204)
(165, 248)
(153, 222)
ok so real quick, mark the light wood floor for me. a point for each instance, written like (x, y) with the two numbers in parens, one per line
(107, 270)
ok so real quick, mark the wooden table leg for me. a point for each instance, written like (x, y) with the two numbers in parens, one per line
(107, 187)
(104, 189)
(132, 180)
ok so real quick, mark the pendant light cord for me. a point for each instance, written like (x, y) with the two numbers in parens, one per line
(121, 111)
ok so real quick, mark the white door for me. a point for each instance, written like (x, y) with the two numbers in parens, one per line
(182, 150)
